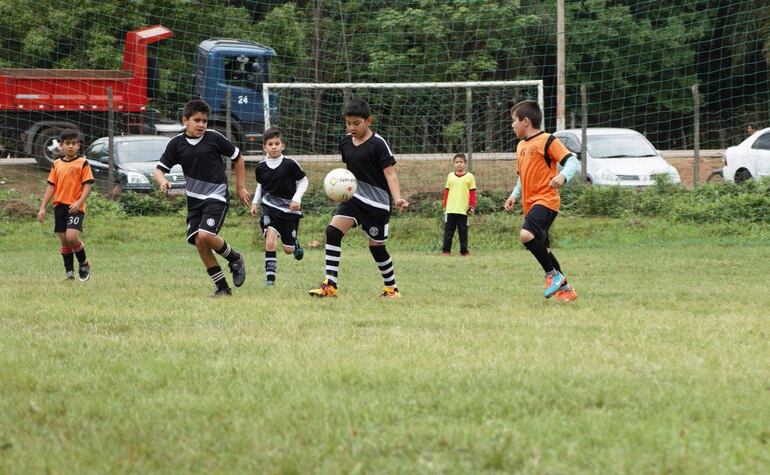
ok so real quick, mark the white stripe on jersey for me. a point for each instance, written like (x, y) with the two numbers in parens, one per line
(386, 143)
(203, 197)
(372, 203)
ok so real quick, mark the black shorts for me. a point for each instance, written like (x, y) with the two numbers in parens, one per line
(286, 228)
(374, 223)
(538, 221)
(63, 220)
(208, 216)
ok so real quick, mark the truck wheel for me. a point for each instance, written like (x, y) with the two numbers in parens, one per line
(42, 147)
(742, 175)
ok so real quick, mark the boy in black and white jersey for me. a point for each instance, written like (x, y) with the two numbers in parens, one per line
(199, 151)
(369, 158)
(281, 182)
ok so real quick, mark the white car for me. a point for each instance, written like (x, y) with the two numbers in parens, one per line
(749, 159)
(621, 157)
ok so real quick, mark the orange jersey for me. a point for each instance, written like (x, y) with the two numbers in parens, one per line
(536, 174)
(68, 178)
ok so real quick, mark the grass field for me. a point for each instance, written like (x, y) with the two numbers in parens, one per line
(661, 366)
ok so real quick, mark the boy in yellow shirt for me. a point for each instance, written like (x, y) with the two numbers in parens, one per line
(459, 200)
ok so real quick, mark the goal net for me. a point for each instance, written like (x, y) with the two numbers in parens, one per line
(419, 120)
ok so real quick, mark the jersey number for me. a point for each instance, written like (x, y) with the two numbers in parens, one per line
(73, 220)
(243, 99)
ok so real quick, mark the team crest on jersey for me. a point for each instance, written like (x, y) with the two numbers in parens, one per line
(373, 231)
(210, 222)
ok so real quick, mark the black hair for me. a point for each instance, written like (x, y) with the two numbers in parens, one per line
(460, 155)
(195, 105)
(358, 108)
(70, 134)
(528, 110)
(271, 133)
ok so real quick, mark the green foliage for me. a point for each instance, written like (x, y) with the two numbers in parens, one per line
(151, 204)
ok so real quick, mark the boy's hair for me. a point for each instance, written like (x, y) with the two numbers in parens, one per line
(271, 133)
(195, 105)
(459, 155)
(528, 110)
(70, 134)
(358, 108)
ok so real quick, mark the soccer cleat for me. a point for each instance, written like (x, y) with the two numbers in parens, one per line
(445, 253)
(390, 293)
(225, 292)
(269, 283)
(238, 269)
(465, 253)
(552, 284)
(566, 295)
(299, 253)
(84, 272)
(70, 276)
(324, 290)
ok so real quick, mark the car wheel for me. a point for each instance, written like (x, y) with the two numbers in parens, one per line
(742, 175)
(42, 147)
(716, 176)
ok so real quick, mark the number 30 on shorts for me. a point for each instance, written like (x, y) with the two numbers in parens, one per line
(73, 220)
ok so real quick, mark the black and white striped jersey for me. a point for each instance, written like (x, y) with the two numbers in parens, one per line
(202, 162)
(278, 184)
(366, 162)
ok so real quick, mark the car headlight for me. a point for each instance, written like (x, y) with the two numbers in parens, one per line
(607, 175)
(136, 178)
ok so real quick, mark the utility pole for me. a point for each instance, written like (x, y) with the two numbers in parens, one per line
(560, 89)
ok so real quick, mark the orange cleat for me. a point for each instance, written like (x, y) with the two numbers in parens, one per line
(566, 295)
(324, 290)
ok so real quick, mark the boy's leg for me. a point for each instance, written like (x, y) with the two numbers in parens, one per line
(271, 261)
(534, 236)
(212, 219)
(450, 223)
(68, 256)
(462, 231)
(74, 226)
(335, 231)
(210, 262)
(385, 265)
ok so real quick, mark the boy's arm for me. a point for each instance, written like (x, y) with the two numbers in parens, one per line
(296, 200)
(46, 198)
(75, 207)
(446, 197)
(240, 174)
(160, 178)
(257, 198)
(515, 195)
(395, 188)
(569, 168)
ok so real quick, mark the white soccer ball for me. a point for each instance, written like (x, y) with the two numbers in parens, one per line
(340, 184)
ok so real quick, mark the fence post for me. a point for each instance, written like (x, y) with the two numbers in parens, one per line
(696, 137)
(469, 125)
(584, 134)
(110, 144)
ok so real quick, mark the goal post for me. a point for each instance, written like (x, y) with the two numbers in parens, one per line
(486, 94)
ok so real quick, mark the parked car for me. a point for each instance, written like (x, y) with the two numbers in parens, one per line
(135, 160)
(749, 159)
(621, 157)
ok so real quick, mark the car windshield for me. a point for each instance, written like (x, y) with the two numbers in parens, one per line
(619, 146)
(141, 150)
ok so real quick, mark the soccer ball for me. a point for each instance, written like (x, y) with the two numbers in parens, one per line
(340, 184)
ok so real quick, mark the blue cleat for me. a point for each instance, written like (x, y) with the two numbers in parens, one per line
(553, 283)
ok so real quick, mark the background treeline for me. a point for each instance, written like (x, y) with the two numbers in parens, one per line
(638, 58)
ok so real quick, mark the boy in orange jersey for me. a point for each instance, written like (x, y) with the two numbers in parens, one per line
(69, 183)
(537, 156)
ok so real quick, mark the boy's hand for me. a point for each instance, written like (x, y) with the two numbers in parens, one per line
(401, 204)
(244, 195)
(510, 203)
(558, 181)
(253, 210)
(74, 207)
(471, 210)
(294, 206)
(165, 186)
(41, 215)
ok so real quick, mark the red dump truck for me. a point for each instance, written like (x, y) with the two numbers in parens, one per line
(36, 104)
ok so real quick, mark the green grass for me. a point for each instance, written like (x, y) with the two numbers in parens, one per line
(661, 366)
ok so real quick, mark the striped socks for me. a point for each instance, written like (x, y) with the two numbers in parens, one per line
(385, 265)
(271, 265)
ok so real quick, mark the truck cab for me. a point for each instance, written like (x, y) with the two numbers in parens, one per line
(241, 66)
